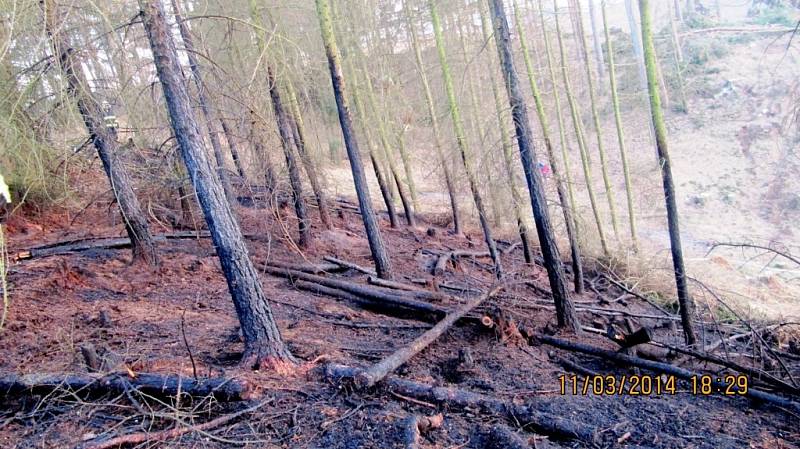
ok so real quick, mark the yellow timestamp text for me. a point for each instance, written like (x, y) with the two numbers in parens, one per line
(650, 385)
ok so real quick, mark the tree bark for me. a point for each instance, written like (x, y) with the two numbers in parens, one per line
(104, 139)
(598, 49)
(263, 345)
(572, 230)
(234, 147)
(299, 129)
(673, 220)
(458, 129)
(565, 310)
(285, 132)
(437, 137)
(383, 266)
(202, 96)
(623, 152)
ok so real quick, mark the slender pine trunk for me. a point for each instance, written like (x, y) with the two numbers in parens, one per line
(299, 130)
(579, 137)
(380, 256)
(623, 152)
(584, 50)
(433, 117)
(565, 310)
(505, 139)
(458, 129)
(572, 232)
(202, 96)
(103, 137)
(263, 346)
(233, 146)
(598, 49)
(407, 168)
(285, 133)
(673, 220)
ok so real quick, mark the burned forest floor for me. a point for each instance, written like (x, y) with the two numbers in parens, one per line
(87, 311)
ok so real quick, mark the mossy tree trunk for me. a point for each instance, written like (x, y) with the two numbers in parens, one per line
(623, 152)
(263, 346)
(103, 137)
(458, 129)
(673, 219)
(579, 137)
(584, 51)
(565, 310)
(572, 231)
(434, 119)
(380, 256)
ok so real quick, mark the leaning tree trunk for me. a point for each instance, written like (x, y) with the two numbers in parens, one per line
(387, 150)
(458, 129)
(584, 51)
(505, 140)
(234, 147)
(572, 231)
(383, 266)
(685, 301)
(263, 345)
(433, 117)
(623, 152)
(285, 133)
(202, 97)
(104, 139)
(299, 129)
(565, 310)
(579, 137)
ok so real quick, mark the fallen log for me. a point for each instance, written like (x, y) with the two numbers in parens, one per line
(528, 416)
(157, 385)
(501, 437)
(374, 280)
(380, 293)
(349, 265)
(312, 268)
(165, 435)
(449, 286)
(441, 264)
(392, 306)
(380, 370)
(665, 368)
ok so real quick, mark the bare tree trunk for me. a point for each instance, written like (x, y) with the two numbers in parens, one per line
(637, 42)
(382, 264)
(263, 346)
(104, 139)
(565, 310)
(257, 140)
(311, 170)
(685, 301)
(448, 178)
(202, 96)
(285, 132)
(598, 49)
(572, 231)
(234, 147)
(458, 129)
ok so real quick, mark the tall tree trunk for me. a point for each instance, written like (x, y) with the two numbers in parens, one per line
(407, 167)
(263, 346)
(637, 42)
(387, 150)
(584, 50)
(678, 11)
(505, 140)
(565, 310)
(458, 129)
(285, 133)
(104, 139)
(257, 140)
(678, 59)
(383, 183)
(202, 96)
(579, 137)
(437, 137)
(382, 264)
(572, 232)
(299, 129)
(623, 152)
(598, 49)
(685, 301)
